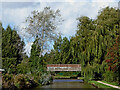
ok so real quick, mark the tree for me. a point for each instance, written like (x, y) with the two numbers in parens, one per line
(95, 37)
(34, 59)
(65, 50)
(1, 44)
(42, 25)
(12, 49)
(57, 49)
(12, 45)
(37, 64)
(113, 58)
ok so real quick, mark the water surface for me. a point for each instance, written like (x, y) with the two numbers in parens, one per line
(67, 83)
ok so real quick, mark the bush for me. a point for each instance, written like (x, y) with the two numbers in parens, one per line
(97, 76)
(22, 81)
(9, 64)
(18, 81)
(45, 79)
(8, 81)
(108, 76)
(23, 67)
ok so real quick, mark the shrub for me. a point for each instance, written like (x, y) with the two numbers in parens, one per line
(108, 76)
(9, 64)
(8, 81)
(18, 81)
(23, 81)
(45, 79)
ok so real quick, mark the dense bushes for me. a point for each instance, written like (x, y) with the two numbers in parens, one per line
(18, 81)
(24, 81)
(9, 64)
(109, 76)
(8, 81)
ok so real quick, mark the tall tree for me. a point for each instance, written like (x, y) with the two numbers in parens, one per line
(42, 25)
(65, 50)
(1, 44)
(95, 37)
(58, 49)
(12, 48)
(34, 60)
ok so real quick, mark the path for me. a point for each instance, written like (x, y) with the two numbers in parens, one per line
(109, 85)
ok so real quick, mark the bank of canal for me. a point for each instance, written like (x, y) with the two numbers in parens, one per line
(67, 83)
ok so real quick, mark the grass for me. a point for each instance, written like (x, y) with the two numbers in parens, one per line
(81, 78)
(112, 83)
(61, 76)
(99, 85)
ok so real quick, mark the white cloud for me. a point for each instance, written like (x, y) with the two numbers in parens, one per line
(19, 0)
(104, 1)
(0, 10)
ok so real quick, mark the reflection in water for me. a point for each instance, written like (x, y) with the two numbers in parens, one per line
(67, 83)
(67, 80)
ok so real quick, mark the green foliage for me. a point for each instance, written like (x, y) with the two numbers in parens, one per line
(18, 81)
(12, 50)
(71, 74)
(109, 76)
(60, 76)
(96, 36)
(12, 46)
(23, 67)
(37, 65)
(35, 50)
(35, 61)
(9, 64)
(57, 50)
(8, 81)
(113, 59)
(64, 50)
(45, 79)
(1, 44)
(23, 81)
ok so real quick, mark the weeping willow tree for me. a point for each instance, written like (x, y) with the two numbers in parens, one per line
(95, 37)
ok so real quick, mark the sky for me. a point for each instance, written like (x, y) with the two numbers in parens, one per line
(14, 13)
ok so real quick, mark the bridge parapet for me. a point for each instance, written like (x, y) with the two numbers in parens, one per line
(63, 67)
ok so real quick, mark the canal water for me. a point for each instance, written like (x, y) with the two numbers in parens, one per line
(67, 83)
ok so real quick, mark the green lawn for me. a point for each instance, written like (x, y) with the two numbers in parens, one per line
(99, 84)
(61, 76)
(81, 78)
(64, 76)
